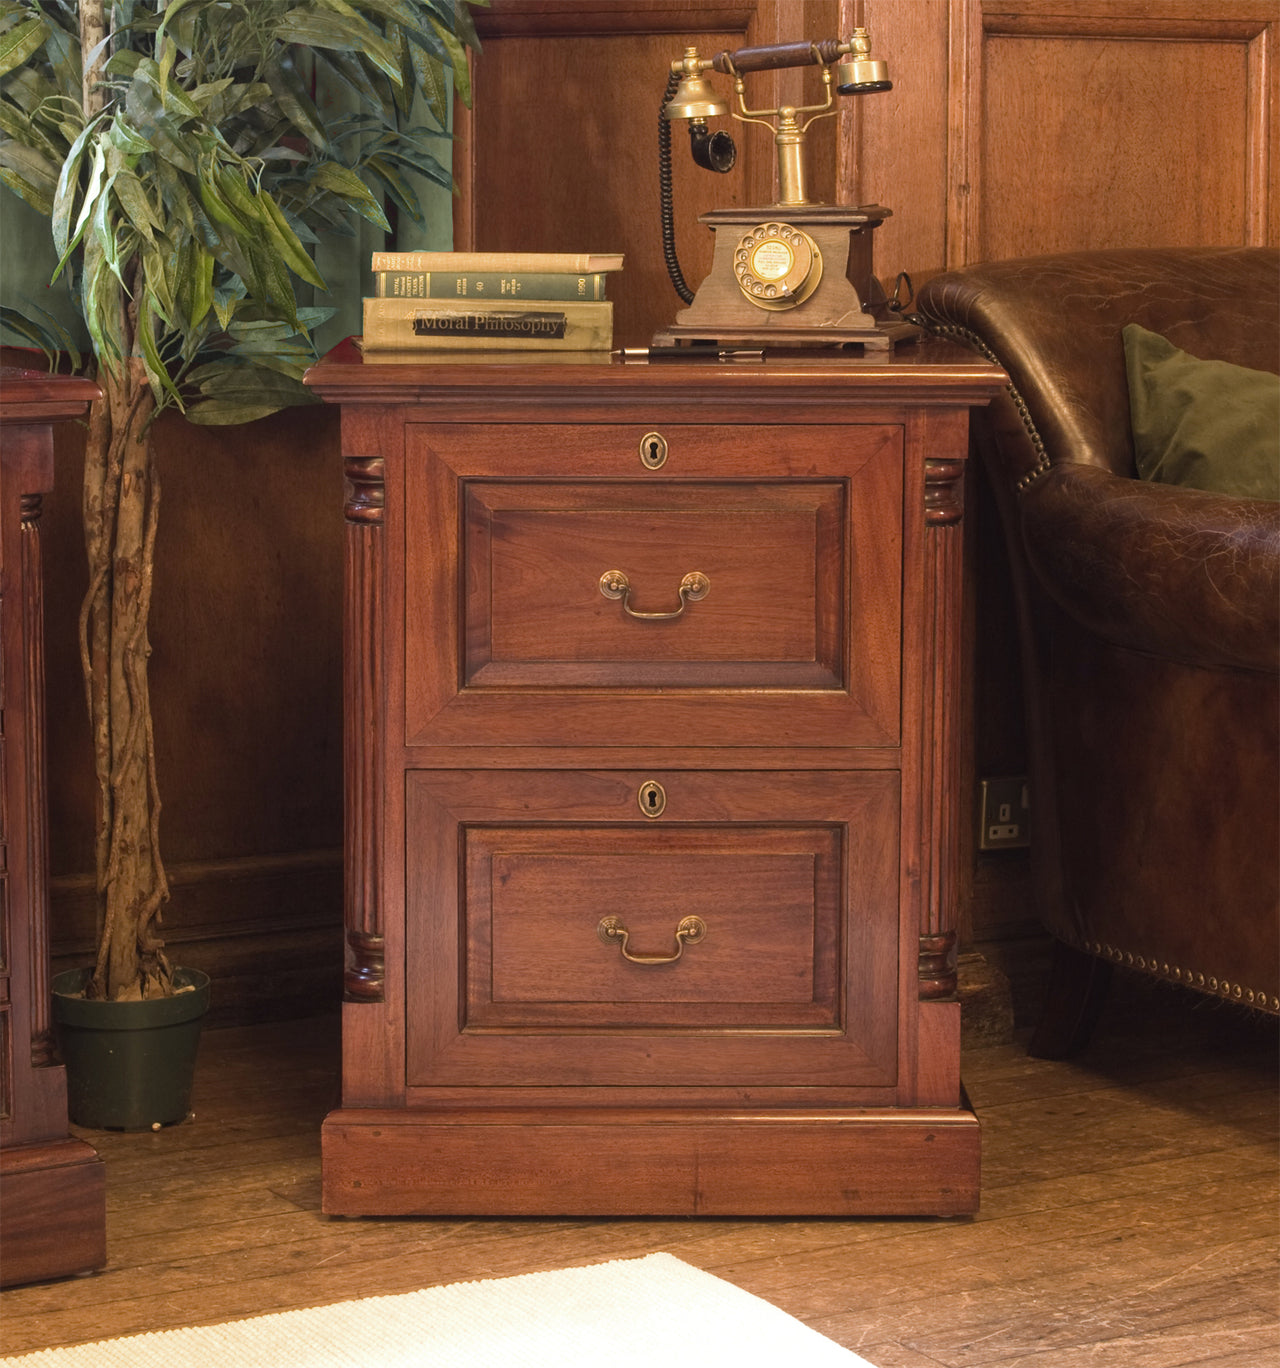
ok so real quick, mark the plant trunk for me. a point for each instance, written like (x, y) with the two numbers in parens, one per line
(121, 502)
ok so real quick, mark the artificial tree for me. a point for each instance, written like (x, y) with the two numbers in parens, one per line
(178, 151)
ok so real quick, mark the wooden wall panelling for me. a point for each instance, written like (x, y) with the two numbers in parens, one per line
(1105, 124)
(246, 690)
(559, 151)
(893, 146)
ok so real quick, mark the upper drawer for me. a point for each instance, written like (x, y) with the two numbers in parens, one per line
(746, 593)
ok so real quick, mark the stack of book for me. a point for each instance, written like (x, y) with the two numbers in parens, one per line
(489, 301)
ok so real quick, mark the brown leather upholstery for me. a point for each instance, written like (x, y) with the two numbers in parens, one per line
(1149, 616)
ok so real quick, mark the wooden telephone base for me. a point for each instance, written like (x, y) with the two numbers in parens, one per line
(838, 313)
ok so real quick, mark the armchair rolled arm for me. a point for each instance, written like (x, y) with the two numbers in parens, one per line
(1177, 573)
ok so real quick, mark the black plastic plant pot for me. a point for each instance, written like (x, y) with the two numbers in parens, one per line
(129, 1064)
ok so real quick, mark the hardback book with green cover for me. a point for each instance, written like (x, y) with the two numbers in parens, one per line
(482, 286)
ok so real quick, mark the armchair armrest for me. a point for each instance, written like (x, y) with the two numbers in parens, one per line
(1177, 573)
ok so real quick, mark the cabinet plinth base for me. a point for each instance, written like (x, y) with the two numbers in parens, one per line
(884, 1162)
(53, 1195)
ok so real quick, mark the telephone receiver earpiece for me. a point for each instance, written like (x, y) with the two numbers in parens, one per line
(712, 151)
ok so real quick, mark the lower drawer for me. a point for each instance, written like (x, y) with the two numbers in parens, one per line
(742, 934)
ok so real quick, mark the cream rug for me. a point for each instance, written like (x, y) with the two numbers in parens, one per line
(655, 1312)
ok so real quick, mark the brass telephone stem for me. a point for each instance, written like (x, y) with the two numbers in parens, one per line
(789, 140)
(788, 136)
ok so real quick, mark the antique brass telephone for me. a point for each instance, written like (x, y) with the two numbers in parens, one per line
(794, 273)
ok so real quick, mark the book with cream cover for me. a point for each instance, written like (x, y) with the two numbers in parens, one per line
(460, 324)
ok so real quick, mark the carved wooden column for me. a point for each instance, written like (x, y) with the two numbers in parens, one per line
(363, 980)
(944, 509)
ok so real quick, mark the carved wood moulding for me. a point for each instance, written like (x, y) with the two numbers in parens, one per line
(943, 492)
(937, 966)
(366, 488)
(567, 18)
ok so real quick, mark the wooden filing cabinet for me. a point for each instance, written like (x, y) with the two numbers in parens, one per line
(52, 1186)
(651, 741)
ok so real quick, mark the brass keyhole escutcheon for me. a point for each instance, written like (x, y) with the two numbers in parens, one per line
(653, 450)
(652, 798)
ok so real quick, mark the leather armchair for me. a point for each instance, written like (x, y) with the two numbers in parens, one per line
(1148, 619)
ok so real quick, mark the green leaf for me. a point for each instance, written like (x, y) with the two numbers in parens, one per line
(170, 140)
(68, 184)
(224, 308)
(21, 42)
(136, 203)
(216, 207)
(102, 305)
(162, 385)
(269, 283)
(172, 98)
(35, 171)
(236, 193)
(24, 190)
(398, 187)
(352, 74)
(295, 255)
(310, 27)
(237, 393)
(87, 208)
(123, 63)
(62, 51)
(201, 284)
(42, 330)
(104, 231)
(435, 89)
(211, 172)
(123, 135)
(296, 103)
(405, 83)
(274, 333)
(344, 182)
(163, 274)
(463, 24)
(19, 126)
(458, 54)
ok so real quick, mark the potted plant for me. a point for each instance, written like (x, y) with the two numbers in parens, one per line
(177, 148)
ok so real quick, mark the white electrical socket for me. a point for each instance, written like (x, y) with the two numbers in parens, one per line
(1004, 813)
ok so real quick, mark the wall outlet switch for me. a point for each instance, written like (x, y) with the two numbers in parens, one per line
(1005, 814)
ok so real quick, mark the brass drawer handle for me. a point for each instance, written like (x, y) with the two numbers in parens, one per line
(689, 932)
(615, 585)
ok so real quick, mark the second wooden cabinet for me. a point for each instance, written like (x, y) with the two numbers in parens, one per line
(651, 742)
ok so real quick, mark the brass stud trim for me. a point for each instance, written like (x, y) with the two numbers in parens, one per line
(1192, 978)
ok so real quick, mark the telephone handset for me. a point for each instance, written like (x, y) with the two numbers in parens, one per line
(794, 273)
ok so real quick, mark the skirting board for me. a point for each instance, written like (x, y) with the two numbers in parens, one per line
(877, 1162)
(266, 929)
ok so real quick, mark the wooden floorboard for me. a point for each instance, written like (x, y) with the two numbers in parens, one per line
(1129, 1217)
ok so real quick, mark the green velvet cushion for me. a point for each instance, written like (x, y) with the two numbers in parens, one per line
(1202, 424)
